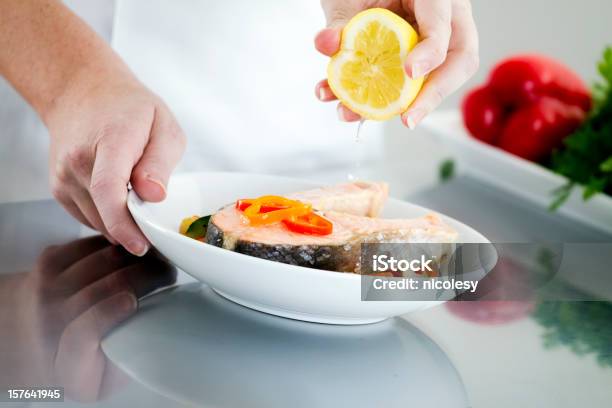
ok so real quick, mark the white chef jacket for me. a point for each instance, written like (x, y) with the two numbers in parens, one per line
(239, 77)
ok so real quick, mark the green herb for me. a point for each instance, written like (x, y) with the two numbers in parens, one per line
(586, 158)
(606, 166)
(197, 229)
(560, 195)
(447, 170)
(583, 326)
(601, 90)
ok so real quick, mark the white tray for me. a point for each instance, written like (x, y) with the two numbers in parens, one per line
(514, 174)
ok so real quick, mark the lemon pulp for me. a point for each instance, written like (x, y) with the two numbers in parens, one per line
(367, 74)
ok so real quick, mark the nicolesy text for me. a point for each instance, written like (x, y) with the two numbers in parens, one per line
(430, 284)
(384, 263)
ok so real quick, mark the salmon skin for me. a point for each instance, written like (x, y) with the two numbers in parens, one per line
(350, 207)
(329, 257)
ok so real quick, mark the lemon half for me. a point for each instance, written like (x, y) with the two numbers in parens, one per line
(367, 73)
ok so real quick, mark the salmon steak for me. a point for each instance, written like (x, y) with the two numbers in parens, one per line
(352, 208)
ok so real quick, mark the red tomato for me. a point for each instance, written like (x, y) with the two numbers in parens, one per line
(537, 129)
(526, 78)
(528, 106)
(483, 115)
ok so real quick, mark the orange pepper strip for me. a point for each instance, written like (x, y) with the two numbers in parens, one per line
(279, 215)
(243, 204)
(287, 209)
(270, 200)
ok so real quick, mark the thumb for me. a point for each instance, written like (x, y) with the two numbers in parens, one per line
(162, 153)
(327, 41)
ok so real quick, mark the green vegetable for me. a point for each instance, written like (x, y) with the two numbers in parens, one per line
(606, 166)
(197, 229)
(583, 326)
(447, 170)
(560, 195)
(586, 158)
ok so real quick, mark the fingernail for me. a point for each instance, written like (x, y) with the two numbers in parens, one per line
(419, 69)
(158, 183)
(319, 33)
(413, 117)
(126, 302)
(137, 247)
(340, 112)
(327, 31)
(323, 93)
(410, 123)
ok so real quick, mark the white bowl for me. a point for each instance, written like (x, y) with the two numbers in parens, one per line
(276, 288)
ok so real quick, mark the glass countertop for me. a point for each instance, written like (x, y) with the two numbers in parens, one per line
(62, 323)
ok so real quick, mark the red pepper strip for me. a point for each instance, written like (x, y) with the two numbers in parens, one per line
(312, 224)
(242, 205)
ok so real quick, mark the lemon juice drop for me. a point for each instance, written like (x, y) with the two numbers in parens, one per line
(355, 171)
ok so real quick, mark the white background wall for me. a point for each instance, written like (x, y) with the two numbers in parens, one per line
(573, 31)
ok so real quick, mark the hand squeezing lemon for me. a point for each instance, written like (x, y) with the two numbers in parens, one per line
(367, 73)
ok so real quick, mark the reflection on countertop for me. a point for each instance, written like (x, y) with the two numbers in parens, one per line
(187, 345)
(53, 317)
(202, 349)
